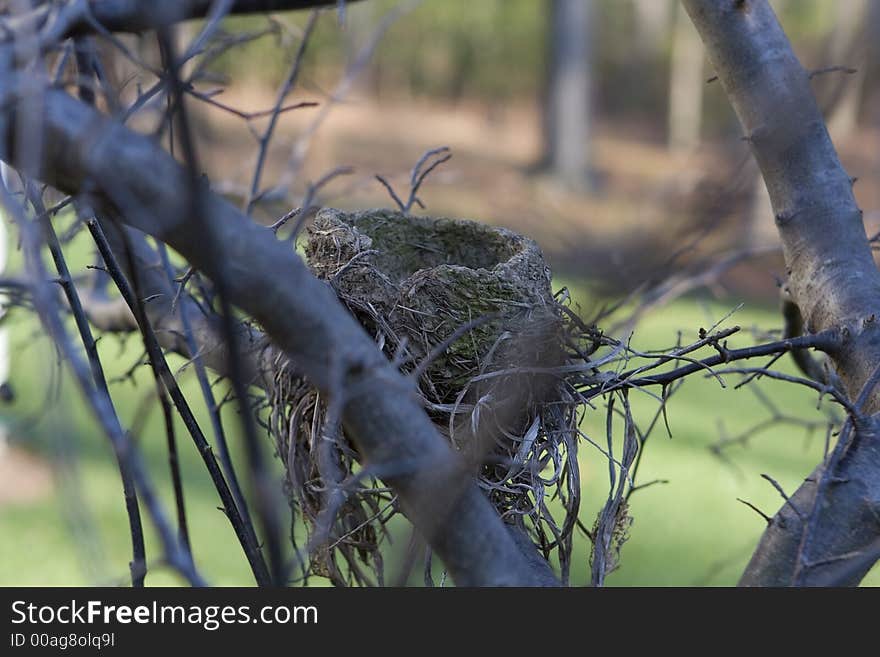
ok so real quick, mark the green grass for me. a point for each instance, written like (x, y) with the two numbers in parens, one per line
(689, 531)
(692, 530)
(48, 542)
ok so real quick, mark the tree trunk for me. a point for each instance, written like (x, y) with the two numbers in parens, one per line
(651, 25)
(844, 50)
(849, 45)
(828, 531)
(685, 85)
(567, 96)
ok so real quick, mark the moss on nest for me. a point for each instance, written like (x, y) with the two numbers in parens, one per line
(470, 308)
(422, 278)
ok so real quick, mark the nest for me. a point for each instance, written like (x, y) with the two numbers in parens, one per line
(468, 310)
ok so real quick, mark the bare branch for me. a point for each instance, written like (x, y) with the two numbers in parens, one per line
(80, 17)
(833, 278)
(303, 316)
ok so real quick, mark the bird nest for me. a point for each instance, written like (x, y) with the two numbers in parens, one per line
(467, 310)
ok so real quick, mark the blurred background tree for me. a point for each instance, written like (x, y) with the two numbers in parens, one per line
(566, 93)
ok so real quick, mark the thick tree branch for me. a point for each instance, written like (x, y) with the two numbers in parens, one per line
(129, 177)
(78, 17)
(793, 327)
(165, 308)
(833, 280)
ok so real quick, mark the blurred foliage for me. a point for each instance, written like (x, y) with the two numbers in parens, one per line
(454, 49)
(491, 51)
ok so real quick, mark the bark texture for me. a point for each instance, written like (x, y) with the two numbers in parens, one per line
(832, 279)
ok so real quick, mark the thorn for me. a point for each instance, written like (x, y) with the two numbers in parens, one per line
(766, 518)
(781, 491)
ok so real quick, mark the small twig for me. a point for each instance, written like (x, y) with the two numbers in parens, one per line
(418, 175)
(442, 154)
(766, 518)
(308, 207)
(289, 83)
(400, 204)
(847, 70)
(781, 491)
(245, 533)
(139, 561)
(262, 487)
(208, 395)
(174, 468)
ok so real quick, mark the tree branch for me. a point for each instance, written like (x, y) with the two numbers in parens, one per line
(833, 279)
(79, 17)
(128, 176)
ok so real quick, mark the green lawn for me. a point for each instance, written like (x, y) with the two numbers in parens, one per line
(48, 542)
(692, 530)
(689, 531)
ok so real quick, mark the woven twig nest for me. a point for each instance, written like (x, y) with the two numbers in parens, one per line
(469, 309)
(421, 279)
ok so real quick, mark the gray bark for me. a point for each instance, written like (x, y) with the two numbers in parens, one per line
(832, 279)
(137, 15)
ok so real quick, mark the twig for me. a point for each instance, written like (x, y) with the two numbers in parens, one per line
(245, 533)
(264, 494)
(175, 554)
(139, 561)
(781, 491)
(848, 70)
(210, 401)
(286, 87)
(766, 518)
(418, 175)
